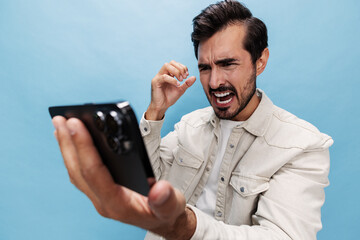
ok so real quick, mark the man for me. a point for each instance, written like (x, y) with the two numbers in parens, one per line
(246, 168)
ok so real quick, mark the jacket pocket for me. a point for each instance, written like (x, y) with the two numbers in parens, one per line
(184, 168)
(248, 185)
(245, 197)
(186, 159)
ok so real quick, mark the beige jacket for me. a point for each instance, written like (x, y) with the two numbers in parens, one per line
(272, 177)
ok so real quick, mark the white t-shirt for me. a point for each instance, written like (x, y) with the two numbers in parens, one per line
(207, 199)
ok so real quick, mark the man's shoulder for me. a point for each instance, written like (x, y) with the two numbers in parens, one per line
(291, 120)
(289, 131)
(198, 117)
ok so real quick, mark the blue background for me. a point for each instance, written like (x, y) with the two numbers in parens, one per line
(67, 52)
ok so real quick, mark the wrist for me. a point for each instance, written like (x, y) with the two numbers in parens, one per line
(184, 226)
(154, 114)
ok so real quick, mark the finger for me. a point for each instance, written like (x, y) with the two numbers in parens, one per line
(185, 68)
(92, 168)
(166, 202)
(182, 68)
(151, 181)
(167, 79)
(67, 148)
(55, 135)
(173, 70)
(186, 71)
(188, 83)
(70, 157)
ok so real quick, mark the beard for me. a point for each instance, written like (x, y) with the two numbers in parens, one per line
(243, 98)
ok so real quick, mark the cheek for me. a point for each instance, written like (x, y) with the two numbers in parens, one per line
(235, 78)
(239, 78)
(204, 81)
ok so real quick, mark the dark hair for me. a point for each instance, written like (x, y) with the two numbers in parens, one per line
(222, 14)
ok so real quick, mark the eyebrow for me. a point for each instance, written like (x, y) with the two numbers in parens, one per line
(225, 61)
(218, 62)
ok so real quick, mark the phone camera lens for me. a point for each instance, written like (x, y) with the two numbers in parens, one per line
(113, 122)
(99, 118)
(114, 143)
(127, 145)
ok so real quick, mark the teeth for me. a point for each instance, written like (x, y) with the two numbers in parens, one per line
(223, 102)
(222, 94)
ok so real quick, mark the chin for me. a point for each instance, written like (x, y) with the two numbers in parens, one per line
(226, 113)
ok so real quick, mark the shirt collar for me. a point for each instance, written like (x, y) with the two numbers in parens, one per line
(259, 121)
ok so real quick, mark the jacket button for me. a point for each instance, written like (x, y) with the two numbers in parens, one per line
(219, 214)
(242, 189)
(231, 145)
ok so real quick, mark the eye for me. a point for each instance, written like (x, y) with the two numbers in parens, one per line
(204, 68)
(227, 64)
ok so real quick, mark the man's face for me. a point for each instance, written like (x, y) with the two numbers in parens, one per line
(227, 73)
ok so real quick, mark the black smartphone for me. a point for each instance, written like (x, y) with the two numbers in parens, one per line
(116, 135)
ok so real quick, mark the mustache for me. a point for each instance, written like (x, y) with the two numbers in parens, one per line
(223, 89)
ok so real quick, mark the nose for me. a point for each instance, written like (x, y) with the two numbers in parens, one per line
(216, 78)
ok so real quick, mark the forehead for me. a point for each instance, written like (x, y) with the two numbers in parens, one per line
(223, 44)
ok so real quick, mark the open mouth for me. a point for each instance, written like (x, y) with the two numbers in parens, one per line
(223, 99)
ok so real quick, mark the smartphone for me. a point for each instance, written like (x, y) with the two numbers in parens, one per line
(116, 135)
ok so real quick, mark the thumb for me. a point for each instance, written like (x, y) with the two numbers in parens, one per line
(188, 83)
(166, 202)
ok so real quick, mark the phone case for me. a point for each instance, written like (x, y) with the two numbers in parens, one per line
(115, 133)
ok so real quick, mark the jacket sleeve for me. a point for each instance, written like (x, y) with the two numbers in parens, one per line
(161, 155)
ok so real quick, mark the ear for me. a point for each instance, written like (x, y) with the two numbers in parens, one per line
(262, 61)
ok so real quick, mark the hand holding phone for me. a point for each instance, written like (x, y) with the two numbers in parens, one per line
(163, 211)
(115, 133)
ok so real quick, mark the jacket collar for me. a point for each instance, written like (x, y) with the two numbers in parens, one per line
(259, 121)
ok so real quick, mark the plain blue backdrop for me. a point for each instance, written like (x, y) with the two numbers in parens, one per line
(75, 51)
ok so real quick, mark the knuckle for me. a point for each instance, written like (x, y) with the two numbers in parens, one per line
(73, 175)
(87, 172)
(155, 79)
(72, 179)
(107, 212)
(90, 172)
(102, 212)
